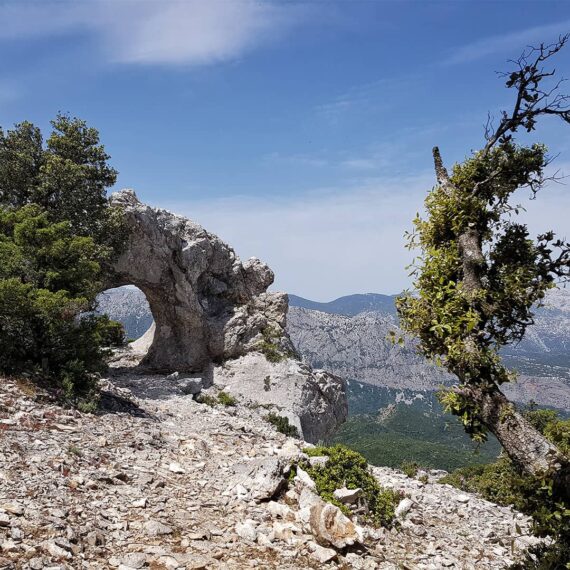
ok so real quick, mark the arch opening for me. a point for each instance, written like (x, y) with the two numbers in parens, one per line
(129, 306)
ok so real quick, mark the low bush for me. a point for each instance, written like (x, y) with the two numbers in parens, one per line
(282, 424)
(347, 468)
(222, 398)
(226, 399)
(269, 346)
(410, 468)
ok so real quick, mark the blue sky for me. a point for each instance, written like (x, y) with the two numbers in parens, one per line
(300, 132)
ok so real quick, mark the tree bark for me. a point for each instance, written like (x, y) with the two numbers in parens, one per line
(524, 444)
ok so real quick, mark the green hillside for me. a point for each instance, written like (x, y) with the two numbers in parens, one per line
(391, 426)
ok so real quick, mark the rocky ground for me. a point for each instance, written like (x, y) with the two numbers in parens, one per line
(163, 482)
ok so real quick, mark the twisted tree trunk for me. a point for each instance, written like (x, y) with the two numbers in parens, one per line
(524, 444)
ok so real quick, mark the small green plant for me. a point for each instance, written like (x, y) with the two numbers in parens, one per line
(74, 450)
(269, 347)
(282, 425)
(207, 399)
(410, 468)
(226, 399)
(222, 398)
(347, 468)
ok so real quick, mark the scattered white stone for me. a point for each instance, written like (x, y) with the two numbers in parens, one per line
(404, 507)
(280, 510)
(347, 496)
(304, 479)
(318, 460)
(176, 468)
(320, 553)
(56, 551)
(156, 528)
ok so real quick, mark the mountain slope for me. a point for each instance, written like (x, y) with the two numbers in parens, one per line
(349, 305)
(357, 348)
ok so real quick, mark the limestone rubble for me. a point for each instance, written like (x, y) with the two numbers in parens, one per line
(161, 481)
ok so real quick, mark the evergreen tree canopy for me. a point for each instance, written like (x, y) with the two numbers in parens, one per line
(57, 237)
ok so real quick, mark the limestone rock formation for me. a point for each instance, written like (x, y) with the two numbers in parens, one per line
(207, 304)
(213, 314)
(313, 400)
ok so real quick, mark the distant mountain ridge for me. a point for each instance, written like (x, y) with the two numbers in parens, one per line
(349, 305)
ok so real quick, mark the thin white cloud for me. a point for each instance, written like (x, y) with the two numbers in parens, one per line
(335, 242)
(161, 32)
(324, 244)
(298, 159)
(504, 43)
(375, 94)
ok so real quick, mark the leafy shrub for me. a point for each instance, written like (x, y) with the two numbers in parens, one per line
(269, 346)
(111, 333)
(226, 399)
(57, 235)
(410, 468)
(206, 399)
(282, 424)
(222, 398)
(348, 468)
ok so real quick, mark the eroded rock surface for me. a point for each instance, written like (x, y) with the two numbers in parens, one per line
(313, 400)
(207, 304)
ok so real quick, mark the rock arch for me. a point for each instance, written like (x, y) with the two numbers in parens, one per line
(208, 306)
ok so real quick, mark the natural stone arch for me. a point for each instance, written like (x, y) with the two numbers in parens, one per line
(207, 304)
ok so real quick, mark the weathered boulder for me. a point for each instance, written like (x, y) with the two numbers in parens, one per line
(207, 305)
(313, 400)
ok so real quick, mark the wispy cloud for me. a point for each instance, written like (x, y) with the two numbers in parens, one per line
(336, 241)
(376, 94)
(160, 32)
(325, 243)
(315, 160)
(504, 43)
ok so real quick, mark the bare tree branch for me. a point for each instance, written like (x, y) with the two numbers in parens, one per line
(531, 99)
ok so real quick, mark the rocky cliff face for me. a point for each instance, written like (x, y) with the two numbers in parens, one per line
(213, 316)
(354, 345)
(357, 348)
(207, 305)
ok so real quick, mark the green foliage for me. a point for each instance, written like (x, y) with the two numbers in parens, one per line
(226, 399)
(348, 468)
(417, 431)
(478, 277)
(464, 329)
(410, 468)
(222, 398)
(207, 399)
(57, 234)
(110, 333)
(269, 346)
(67, 177)
(282, 424)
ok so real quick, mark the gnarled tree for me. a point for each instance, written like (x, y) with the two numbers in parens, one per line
(479, 274)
